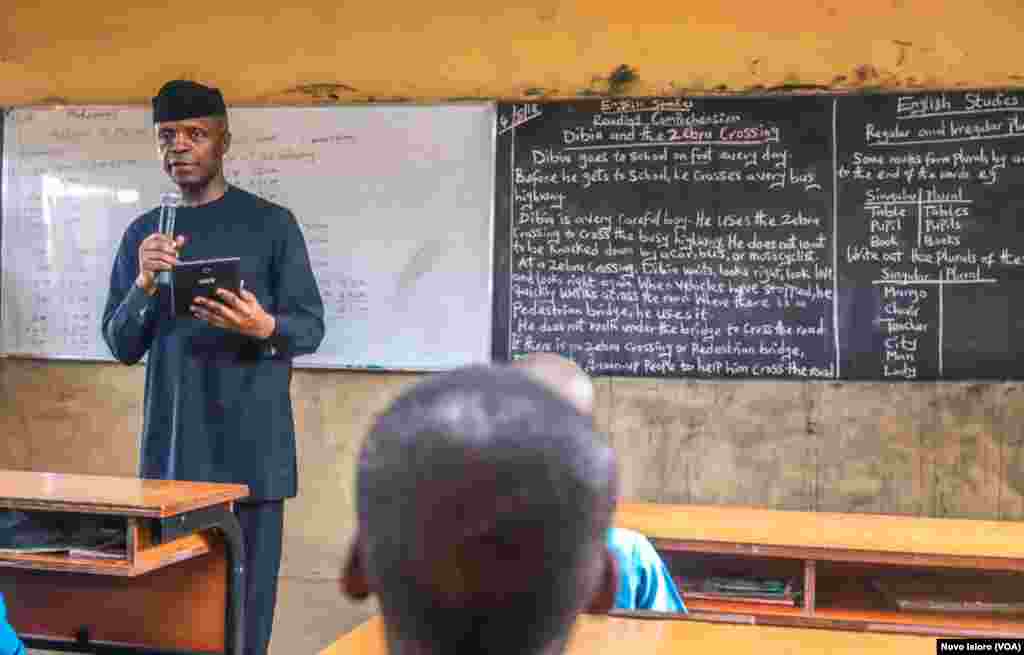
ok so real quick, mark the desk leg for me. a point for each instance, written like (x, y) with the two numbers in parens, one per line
(219, 517)
(234, 626)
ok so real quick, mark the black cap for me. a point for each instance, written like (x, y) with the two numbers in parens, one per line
(181, 99)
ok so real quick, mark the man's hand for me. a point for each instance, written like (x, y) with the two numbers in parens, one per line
(157, 252)
(241, 314)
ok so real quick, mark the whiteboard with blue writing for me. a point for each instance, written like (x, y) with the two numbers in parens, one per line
(395, 203)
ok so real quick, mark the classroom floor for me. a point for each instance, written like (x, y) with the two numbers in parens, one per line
(311, 615)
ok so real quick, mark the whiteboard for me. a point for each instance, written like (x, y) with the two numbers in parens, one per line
(395, 203)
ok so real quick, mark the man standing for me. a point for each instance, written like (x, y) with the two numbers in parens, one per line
(217, 395)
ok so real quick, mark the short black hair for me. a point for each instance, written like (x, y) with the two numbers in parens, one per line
(483, 500)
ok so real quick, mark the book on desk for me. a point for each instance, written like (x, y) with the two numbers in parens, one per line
(772, 591)
(77, 535)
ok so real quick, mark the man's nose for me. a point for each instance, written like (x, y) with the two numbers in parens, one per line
(181, 141)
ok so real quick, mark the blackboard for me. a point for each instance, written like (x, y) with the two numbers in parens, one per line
(767, 237)
(930, 204)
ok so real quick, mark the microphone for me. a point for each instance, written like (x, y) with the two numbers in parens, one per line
(169, 203)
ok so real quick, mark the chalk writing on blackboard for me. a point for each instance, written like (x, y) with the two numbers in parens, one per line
(923, 174)
(515, 115)
(624, 256)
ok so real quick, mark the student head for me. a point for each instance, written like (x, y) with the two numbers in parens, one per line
(563, 376)
(483, 500)
(191, 126)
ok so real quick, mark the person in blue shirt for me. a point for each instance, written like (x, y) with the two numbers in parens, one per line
(9, 642)
(644, 581)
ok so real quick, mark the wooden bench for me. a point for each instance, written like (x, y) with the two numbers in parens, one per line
(860, 572)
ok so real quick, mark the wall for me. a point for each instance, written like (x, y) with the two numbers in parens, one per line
(453, 48)
(931, 449)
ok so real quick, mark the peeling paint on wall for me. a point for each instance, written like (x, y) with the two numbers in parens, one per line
(322, 91)
(615, 83)
(57, 101)
(902, 45)
(390, 99)
(620, 79)
(549, 13)
(7, 46)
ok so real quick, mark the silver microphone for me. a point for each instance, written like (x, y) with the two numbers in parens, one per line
(169, 203)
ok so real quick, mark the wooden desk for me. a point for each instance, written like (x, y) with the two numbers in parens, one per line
(179, 585)
(841, 559)
(607, 635)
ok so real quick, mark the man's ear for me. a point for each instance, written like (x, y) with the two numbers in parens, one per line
(354, 583)
(225, 141)
(604, 598)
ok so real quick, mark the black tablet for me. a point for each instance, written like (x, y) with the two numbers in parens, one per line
(203, 277)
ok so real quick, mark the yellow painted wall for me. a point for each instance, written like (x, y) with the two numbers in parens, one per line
(256, 52)
(931, 449)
